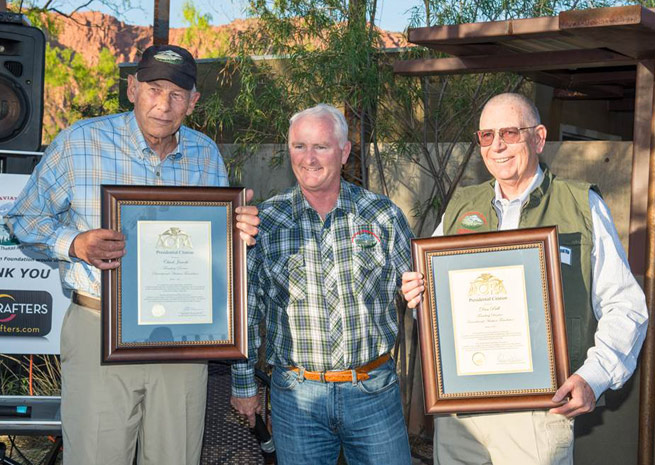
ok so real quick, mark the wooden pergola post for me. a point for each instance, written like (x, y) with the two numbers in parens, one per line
(644, 159)
(161, 22)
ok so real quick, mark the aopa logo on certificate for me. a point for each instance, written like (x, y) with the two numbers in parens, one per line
(175, 272)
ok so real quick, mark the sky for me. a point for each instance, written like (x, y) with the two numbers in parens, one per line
(393, 15)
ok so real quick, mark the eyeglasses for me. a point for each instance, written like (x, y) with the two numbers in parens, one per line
(485, 137)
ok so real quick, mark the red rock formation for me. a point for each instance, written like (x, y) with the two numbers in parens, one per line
(88, 32)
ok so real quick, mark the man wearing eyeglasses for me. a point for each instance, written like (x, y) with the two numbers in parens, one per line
(606, 311)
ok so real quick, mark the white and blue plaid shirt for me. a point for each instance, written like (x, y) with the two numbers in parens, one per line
(324, 288)
(62, 197)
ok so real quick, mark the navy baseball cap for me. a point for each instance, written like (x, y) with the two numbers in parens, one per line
(168, 62)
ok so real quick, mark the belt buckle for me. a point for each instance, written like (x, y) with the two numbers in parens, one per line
(322, 376)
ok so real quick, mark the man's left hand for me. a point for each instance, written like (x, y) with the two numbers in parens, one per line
(581, 397)
(247, 220)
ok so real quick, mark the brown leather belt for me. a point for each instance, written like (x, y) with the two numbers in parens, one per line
(86, 301)
(345, 375)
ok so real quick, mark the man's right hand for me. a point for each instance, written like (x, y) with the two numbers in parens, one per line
(248, 407)
(99, 247)
(412, 288)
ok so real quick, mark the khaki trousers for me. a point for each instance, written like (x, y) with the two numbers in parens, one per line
(105, 408)
(517, 438)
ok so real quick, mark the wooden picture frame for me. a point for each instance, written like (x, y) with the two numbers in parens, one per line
(180, 292)
(491, 323)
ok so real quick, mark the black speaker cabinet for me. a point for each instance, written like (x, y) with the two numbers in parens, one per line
(22, 59)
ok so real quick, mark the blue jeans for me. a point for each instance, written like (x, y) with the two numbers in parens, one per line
(313, 420)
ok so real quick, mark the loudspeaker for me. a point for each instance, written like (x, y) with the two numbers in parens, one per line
(22, 60)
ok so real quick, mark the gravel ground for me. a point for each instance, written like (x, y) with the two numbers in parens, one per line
(421, 450)
(34, 448)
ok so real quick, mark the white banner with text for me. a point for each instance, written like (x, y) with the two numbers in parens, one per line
(32, 302)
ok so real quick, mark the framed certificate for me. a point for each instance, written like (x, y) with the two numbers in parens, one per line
(491, 323)
(180, 290)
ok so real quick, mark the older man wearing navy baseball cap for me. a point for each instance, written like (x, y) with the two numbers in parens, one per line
(105, 409)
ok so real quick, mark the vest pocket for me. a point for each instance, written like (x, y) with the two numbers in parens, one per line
(571, 244)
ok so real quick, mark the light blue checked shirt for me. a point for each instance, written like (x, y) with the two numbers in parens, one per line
(324, 288)
(62, 197)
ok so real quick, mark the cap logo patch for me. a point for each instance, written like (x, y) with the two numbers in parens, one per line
(170, 57)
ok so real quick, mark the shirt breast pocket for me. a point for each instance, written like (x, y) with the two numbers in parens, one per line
(368, 268)
(290, 276)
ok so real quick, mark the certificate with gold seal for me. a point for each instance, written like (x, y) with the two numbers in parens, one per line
(179, 292)
(491, 324)
(175, 272)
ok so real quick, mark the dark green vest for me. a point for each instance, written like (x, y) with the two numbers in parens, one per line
(555, 202)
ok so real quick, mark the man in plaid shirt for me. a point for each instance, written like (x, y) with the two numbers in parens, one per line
(323, 275)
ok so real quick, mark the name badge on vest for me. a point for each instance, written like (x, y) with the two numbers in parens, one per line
(565, 255)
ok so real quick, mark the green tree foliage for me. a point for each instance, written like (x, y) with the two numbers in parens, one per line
(199, 30)
(86, 91)
(323, 55)
(330, 51)
(436, 12)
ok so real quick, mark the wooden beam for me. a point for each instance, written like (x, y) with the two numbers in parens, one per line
(532, 28)
(517, 62)
(463, 50)
(590, 93)
(604, 77)
(620, 84)
(490, 31)
(161, 26)
(547, 78)
(642, 243)
(627, 29)
(631, 15)
(626, 104)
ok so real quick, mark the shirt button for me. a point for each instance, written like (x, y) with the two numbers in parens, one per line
(157, 173)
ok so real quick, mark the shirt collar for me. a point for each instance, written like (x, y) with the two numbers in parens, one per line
(536, 181)
(344, 201)
(135, 133)
(140, 142)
